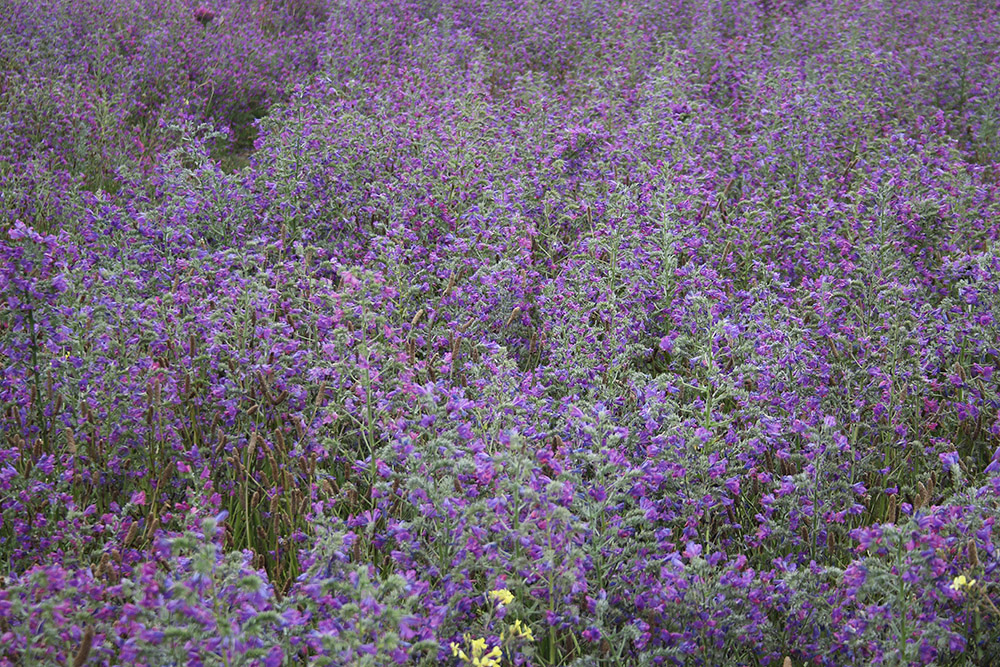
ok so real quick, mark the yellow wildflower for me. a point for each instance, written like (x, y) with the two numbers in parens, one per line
(961, 582)
(478, 648)
(491, 659)
(502, 595)
(458, 653)
(521, 631)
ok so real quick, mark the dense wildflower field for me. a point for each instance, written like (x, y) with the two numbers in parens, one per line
(499, 332)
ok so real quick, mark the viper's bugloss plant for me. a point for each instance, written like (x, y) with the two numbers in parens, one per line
(381, 332)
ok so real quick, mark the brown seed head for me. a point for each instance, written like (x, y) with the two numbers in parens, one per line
(85, 643)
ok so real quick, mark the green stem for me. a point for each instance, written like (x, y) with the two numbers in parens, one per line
(34, 372)
(902, 600)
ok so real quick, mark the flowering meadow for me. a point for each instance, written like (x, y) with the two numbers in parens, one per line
(499, 332)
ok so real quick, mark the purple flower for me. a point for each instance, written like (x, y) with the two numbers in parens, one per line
(948, 460)
(994, 465)
(275, 657)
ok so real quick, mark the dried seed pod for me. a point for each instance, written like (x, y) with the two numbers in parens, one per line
(280, 439)
(921, 496)
(154, 525)
(70, 441)
(973, 553)
(786, 467)
(273, 508)
(263, 385)
(104, 565)
(787, 662)
(221, 440)
(165, 475)
(255, 500)
(890, 513)
(133, 530)
(85, 644)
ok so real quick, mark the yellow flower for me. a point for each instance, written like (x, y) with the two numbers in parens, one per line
(961, 582)
(503, 596)
(478, 647)
(521, 631)
(491, 659)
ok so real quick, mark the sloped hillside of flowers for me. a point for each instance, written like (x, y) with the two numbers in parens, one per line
(495, 332)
